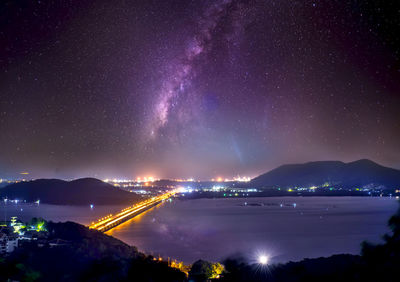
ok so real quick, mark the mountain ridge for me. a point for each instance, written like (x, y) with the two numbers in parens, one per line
(82, 191)
(357, 173)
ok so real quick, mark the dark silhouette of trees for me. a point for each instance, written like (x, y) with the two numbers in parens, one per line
(377, 263)
(382, 261)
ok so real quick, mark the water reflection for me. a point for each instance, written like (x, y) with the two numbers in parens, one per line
(285, 228)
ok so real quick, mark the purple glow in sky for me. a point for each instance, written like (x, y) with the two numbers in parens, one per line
(196, 88)
(179, 75)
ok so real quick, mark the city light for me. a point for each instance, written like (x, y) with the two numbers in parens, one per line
(234, 179)
(146, 179)
(242, 179)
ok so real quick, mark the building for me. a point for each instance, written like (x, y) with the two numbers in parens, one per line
(8, 243)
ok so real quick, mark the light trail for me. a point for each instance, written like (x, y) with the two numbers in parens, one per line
(108, 222)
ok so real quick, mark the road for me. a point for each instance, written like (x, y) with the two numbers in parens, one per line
(108, 222)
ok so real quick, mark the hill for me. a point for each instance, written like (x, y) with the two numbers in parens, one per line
(84, 255)
(84, 191)
(357, 173)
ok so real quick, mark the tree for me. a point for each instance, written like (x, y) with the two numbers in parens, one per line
(382, 261)
(204, 270)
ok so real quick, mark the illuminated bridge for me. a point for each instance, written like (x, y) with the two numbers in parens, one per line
(106, 223)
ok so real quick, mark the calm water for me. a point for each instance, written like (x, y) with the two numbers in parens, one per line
(215, 228)
(82, 214)
(285, 228)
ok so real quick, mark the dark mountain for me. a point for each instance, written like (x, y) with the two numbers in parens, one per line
(358, 173)
(84, 191)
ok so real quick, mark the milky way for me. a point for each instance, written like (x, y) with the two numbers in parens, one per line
(180, 73)
(196, 88)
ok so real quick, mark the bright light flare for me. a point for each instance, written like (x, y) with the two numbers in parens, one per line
(263, 259)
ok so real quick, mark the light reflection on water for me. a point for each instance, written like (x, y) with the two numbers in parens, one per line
(81, 214)
(286, 228)
(302, 227)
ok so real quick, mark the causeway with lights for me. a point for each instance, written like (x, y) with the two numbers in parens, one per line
(110, 221)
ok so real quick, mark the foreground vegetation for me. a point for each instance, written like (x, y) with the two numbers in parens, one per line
(375, 263)
(85, 255)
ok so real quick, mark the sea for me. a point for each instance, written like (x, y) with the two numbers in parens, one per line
(282, 228)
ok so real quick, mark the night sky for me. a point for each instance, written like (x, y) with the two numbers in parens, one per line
(196, 88)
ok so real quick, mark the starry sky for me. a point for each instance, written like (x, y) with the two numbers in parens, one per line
(180, 88)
